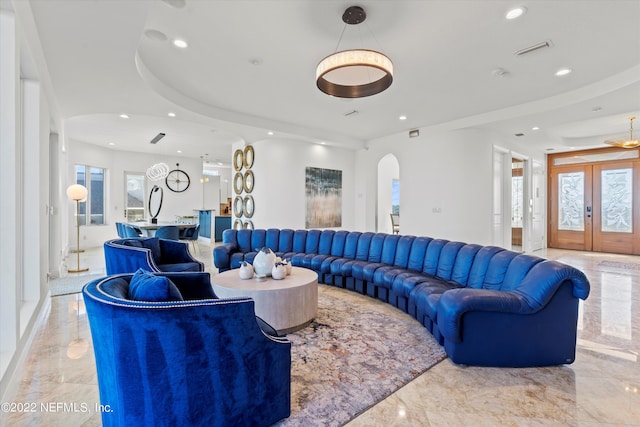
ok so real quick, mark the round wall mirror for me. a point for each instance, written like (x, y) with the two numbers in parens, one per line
(238, 206)
(248, 206)
(248, 224)
(238, 182)
(237, 224)
(238, 159)
(248, 156)
(155, 203)
(248, 181)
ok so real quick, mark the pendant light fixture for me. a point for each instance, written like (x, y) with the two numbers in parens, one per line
(354, 73)
(630, 143)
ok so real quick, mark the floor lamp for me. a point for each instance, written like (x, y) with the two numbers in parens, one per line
(78, 193)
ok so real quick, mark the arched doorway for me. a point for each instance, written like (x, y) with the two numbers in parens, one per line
(388, 194)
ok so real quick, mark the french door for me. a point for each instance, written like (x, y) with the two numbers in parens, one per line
(595, 206)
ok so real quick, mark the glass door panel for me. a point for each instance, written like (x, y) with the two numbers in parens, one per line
(570, 206)
(616, 200)
(618, 212)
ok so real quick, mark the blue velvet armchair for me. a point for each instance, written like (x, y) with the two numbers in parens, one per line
(202, 361)
(151, 254)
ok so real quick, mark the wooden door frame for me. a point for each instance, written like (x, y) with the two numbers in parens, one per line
(552, 169)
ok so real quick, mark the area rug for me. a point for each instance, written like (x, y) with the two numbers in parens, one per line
(354, 354)
(71, 284)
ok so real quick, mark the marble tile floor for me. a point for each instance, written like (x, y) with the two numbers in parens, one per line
(601, 388)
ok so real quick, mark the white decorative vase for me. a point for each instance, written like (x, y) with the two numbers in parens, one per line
(287, 266)
(279, 271)
(264, 262)
(246, 271)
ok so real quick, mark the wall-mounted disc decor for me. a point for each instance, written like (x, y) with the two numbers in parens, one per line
(248, 225)
(238, 206)
(248, 181)
(238, 159)
(237, 224)
(248, 156)
(248, 206)
(238, 182)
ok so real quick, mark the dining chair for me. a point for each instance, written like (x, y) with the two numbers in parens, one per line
(129, 231)
(119, 229)
(191, 235)
(170, 232)
(395, 223)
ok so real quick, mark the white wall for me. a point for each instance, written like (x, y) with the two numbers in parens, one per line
(446, 181)
(116, 163)
(24, 139)
(279, 172)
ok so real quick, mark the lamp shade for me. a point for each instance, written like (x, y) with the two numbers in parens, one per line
(77, 192)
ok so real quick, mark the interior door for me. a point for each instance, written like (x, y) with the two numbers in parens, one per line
(571, 209)
(616, 214)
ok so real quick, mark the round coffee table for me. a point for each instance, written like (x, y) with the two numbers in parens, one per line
(287, 305)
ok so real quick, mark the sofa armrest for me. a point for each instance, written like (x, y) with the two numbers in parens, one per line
(192, 285)
(173, 252)
(544, 279)
(455, 303)
(222, 255)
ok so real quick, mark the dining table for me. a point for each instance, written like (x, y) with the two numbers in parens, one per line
(149, 228)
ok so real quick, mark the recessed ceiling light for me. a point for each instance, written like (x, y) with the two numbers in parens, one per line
(178, 4)
(563, 72)
(516, 12)
(155, 35)
(179, 151)
(499, 72)
(255, 61)
(180, 43)
(535, 128)
(269, 133)
(124, 116)
(112, 143)
(322, 143)
(220, 163)
(171, 114)
(402, 118)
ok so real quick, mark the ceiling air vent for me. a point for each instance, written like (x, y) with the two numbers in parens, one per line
(542, 45)
(157, 138)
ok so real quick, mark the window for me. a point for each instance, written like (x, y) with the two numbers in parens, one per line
(134, 202)
(395, 196)
(91, 210)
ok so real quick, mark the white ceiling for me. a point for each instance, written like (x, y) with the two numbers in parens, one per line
(250, 69)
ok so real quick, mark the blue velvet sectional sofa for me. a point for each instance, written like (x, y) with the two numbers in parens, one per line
(486, 305)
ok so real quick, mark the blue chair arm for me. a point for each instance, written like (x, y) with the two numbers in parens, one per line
(222, 255)
(192, 285)
(457, 302)
(125, 259)
(173, 252)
